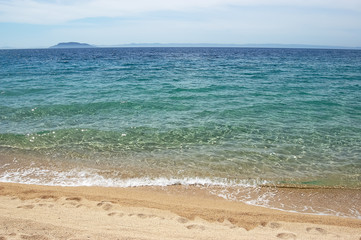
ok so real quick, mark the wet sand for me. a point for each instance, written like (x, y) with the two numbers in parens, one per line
(43, 212)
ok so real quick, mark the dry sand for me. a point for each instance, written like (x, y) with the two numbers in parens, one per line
(42, 212)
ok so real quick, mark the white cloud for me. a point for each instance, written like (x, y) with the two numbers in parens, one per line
(327, 22)
(58, 12)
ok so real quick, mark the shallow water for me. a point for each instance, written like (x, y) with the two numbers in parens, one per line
(161, 116)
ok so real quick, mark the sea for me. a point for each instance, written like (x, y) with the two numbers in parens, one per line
(278, 128)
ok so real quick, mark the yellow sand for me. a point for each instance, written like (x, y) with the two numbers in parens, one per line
(41, 212)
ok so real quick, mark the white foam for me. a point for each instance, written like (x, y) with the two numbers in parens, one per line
(90, 177)
(267, 199)
(226, 188)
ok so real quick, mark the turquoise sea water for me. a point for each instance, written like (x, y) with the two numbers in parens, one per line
(162, 116)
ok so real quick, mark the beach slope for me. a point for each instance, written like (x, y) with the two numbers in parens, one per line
(43, 212)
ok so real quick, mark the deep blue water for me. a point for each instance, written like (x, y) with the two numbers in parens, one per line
(239, 114)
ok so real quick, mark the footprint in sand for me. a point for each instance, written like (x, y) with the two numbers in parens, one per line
(286, 236)
(26, 206)
(273, 225)
(141, 215)
(194, 226)
(70, 203)
(45, 205)
(78, 199)
(182, 220)
(34, 237)
(105, 206)
(316, 230)
(48, 197)
(74, 201)
(2, 238)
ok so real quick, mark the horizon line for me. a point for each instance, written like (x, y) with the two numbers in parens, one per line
(221, 45)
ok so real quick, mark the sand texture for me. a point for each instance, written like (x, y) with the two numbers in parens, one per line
(42, 212)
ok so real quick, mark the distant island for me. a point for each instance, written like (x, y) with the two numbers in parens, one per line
(72, 45)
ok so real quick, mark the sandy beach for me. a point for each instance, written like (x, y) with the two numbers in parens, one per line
(43, 212)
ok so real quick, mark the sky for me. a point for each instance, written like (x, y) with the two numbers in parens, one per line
(43, 23)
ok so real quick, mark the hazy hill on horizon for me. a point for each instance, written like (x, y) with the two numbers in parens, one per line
(72, 45)
(220, 45)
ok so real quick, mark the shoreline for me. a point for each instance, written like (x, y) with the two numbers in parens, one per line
(175, 212)
(308, 199)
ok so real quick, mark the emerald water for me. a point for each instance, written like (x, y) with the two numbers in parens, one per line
(162, 116)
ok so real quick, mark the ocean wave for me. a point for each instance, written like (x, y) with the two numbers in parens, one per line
(250, 191)
(90, 177)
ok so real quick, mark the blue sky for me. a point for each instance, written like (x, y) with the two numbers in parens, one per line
(42, 23)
